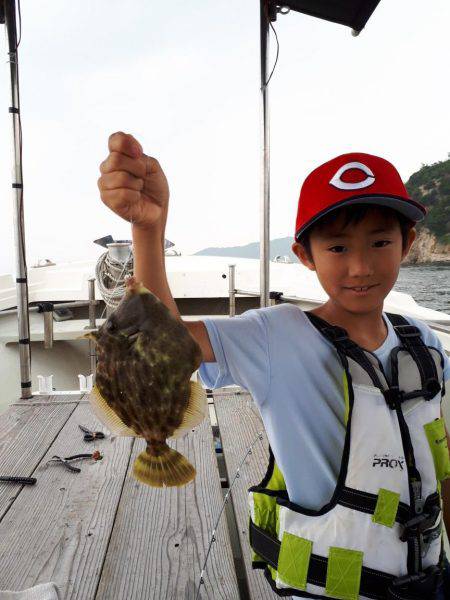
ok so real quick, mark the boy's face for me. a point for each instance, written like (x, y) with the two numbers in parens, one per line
(357, 264)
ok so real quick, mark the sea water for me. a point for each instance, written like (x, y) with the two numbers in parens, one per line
(429, 285)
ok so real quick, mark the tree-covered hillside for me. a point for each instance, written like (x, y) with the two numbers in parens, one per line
(431, 186)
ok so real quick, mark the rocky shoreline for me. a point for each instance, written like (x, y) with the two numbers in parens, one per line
(439, 258)
(431, 259)
(426, 249)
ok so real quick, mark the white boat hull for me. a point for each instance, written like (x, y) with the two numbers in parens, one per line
(190, 278)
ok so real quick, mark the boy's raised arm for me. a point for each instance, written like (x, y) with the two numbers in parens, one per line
(150, 268)
(134, 186)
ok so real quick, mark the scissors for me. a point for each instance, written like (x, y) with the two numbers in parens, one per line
(89, 435)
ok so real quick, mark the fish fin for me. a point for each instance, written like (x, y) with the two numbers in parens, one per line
(90, 335)
(136, 287)
(107, 416)
(169, 469)
(195, 412)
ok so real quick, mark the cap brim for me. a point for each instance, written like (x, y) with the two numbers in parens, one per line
(407, 207)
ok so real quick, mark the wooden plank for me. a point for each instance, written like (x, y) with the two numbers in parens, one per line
(58, 530)
(159, 542)
(26, 432)
(239, 423)
(229, 390)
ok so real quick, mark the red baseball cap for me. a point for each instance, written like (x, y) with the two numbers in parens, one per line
(354, 178)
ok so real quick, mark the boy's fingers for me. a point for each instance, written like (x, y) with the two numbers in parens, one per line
(120, 201)
(117, 161)
(152, 165)
(124, 143)
(120, 179)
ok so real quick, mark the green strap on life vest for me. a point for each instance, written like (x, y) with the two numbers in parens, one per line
(293, 561)
(344, 573)
(386, 508)
(437, 439)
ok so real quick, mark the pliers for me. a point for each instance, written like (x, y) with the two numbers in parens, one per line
(65, 461)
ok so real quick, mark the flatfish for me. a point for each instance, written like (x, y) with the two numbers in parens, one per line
(143, 387)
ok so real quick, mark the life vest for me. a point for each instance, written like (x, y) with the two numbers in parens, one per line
(380, 535)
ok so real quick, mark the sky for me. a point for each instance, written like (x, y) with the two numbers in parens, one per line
(183, 78)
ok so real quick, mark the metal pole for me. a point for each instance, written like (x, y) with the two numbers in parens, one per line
(48, 328)
(92, 325)
(264, 245)
(232, 289)
(17, 185)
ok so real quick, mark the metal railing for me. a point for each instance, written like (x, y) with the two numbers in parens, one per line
(233, 291)
(85, 382)
(47, 309)
(92, 326)
(37, 308)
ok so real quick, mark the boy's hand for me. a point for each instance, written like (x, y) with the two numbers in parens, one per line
(133, 185)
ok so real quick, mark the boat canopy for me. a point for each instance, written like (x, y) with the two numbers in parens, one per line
(354, 13)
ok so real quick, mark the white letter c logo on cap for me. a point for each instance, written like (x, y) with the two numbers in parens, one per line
(343, 185)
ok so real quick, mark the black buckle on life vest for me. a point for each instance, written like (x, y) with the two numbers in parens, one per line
(420, 523)
(421, 585)
(408, 579)
(431, 388)
(393, 397)
(430, 536)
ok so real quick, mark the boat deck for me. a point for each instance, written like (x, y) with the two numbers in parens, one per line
(99, 534)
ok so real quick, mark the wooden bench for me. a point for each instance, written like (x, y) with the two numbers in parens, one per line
(100, 534)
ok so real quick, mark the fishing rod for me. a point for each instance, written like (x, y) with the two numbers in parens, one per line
(237, 475)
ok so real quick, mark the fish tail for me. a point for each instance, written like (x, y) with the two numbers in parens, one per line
(163, 467)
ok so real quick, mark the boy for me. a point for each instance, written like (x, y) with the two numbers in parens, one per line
(311, 380)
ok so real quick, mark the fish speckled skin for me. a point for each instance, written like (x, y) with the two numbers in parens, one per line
(146, 358)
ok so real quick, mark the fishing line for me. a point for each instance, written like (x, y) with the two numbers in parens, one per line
(213, 535)
(260, 434)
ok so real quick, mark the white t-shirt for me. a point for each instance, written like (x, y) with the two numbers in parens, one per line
(296, 380)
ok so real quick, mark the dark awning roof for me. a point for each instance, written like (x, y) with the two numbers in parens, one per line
(354, 13)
